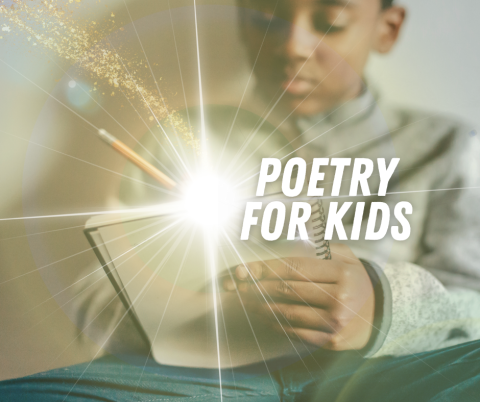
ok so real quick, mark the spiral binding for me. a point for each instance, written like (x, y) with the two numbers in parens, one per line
(319, 225)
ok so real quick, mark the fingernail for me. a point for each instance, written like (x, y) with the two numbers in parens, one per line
(241, 272)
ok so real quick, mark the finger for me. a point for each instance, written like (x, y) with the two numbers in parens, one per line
(251, 271)
(311, 293)
(229, 284)
(297, 269)
(295, 315)
(305, 335)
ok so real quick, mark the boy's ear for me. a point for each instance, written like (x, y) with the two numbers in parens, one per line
(389, 26)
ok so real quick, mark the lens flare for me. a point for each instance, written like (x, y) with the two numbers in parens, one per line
(209, 201)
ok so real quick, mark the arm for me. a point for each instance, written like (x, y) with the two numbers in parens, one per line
(346, 303)
(420, 314)
(427, 305)
(450, 244)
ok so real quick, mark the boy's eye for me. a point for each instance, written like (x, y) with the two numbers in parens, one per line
(321, 24)
(264, 21)
(328, 21)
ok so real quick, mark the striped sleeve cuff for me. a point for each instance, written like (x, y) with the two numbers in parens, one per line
(383, 308)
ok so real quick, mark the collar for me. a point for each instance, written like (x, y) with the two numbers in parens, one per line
(342, 130)
(348, 113)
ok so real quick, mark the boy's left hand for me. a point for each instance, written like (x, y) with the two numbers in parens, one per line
(324, 303)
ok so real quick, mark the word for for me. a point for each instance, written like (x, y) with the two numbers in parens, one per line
(378, 220)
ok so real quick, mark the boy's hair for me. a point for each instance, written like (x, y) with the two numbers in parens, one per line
(387, 3)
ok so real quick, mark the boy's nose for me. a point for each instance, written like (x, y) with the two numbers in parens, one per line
(301, 41)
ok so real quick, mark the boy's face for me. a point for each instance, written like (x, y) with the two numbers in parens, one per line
(315, 50)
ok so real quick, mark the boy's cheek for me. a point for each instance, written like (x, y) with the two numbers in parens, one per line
(345, 57)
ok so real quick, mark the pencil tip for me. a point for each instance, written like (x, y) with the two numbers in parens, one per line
(106, 136)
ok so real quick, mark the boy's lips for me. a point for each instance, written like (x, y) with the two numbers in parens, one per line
(298, 86)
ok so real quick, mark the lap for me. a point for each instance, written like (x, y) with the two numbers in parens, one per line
(442, 375)
(133, 378)
(451, 374)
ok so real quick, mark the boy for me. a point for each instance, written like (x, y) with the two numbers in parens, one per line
(317, 61)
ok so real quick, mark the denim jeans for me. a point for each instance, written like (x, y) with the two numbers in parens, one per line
(451, 374)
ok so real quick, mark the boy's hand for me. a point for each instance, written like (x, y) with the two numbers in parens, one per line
(324, 303)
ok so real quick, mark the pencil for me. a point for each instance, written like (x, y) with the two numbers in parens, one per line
(135, 158)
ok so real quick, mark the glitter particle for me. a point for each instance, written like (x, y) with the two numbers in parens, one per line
(78, 41)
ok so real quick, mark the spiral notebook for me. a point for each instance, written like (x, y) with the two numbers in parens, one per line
(157, 263)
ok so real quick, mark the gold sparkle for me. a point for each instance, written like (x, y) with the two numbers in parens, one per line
(54, 28)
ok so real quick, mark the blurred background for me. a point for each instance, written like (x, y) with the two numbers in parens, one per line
(434, 67)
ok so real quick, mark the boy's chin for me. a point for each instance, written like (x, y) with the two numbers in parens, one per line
(306, 107)
(295, 105)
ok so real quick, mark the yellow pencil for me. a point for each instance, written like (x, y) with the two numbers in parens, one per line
(135, 158)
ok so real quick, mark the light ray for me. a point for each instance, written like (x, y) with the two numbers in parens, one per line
(266, 248)
(246, 87)
(41, 233)
(156, 271)
(286, 89)
(103, 266)
(264, 298)
(289, 115)
(189, 244)
(152, 113)
(211, 261)
(434, 190)
(91, 273)
(200, 86)
(303, 65)
(371, 324)
(119, 211)
(164, 167)
(114, 298)
(249, 323)
(278, 257)
(162, 190)
(390, 132)
(210, 244)
(409, 352)
(106, 222)
(370, 140)
(123, 316)
(304, 145)
(179, 65)
(116, 121)
(153, 77)
(50, 95)
(356, 314)
(226, 338)
(255, 129)
(71, 256)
